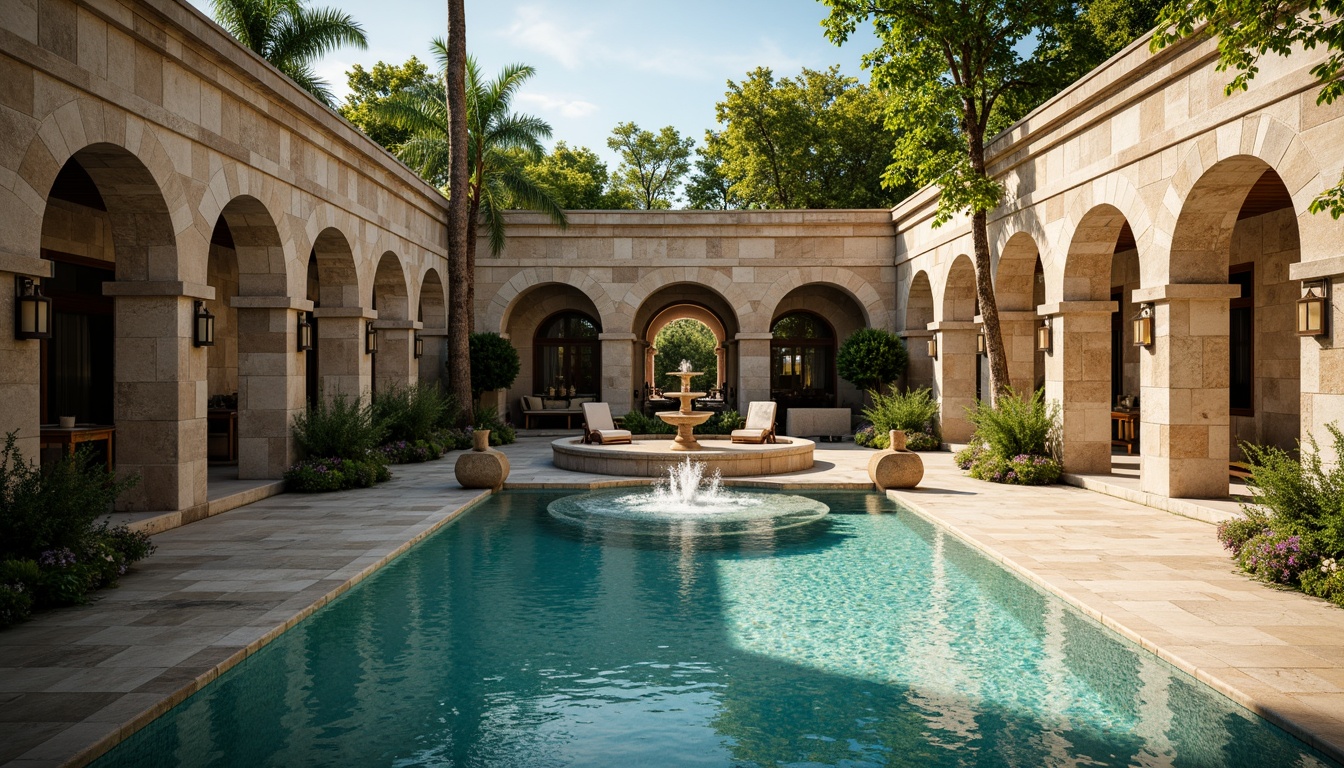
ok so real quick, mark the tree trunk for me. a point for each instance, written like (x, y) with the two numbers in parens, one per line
(460, 275)
(473, 224)
(999, 382)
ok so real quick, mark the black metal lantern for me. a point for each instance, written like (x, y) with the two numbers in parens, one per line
(1044, 337)
(980, 342)
(305, 333)
(370, 338)
(419, 346)
(1313, 309)
(32, 310)
(933, 347)
(1143, 326)
(203, 334)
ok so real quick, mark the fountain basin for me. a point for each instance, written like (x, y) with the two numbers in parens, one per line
(728, 513)
(651, 455)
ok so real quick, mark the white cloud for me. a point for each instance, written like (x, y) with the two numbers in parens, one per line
(557, 38)
(547, 103)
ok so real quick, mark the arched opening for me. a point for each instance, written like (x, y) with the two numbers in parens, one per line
(1019, 288)
(918, 316)
(685, 331)
(802, 362)
(338, 362)
(121, 359)
(432, 314)
(567, 356)
(704, 308)
(844, 315)
(393, 361)
(535, 320)
(957, 370)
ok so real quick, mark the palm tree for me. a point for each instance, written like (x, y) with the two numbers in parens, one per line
(461, 280)
(500, 145)
(290, 36)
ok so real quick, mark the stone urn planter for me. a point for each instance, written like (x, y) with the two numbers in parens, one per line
(483, 466)
(896, 467)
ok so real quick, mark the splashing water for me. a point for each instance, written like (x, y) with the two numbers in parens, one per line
(685, 485)
(685, 366)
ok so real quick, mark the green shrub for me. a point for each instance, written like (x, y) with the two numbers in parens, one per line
(1016, 424)
(18, 582)
(722, 423)
(501, 432)
(410, 413)
(339, 427)
(336, 474)
(914, 412)
(639, 424)
(871, 357)
(494, 363)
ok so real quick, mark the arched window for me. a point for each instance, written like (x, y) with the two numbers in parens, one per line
(802, 361)
(567, 353)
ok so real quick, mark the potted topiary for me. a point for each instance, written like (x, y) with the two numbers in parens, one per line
(870, 358)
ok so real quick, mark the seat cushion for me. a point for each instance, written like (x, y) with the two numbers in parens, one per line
(555, 405)
(532, 404)
(610, 435)
(748, 434)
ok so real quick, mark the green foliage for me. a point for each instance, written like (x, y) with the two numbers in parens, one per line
(818, 140)
(338, 427)
(914, 412)
(494, 363)
(53, 550)
(652, 164)
(722, 423)
(871, 357)
(336, 474)
(501, 431)
(709, 188)
(1016, 424)
(291, 36)
(501, 144)
(371, 87)
(685, 339)
(639, 424)
(577, 179)
(1249, 29)
(410, 413)
(1303, 496)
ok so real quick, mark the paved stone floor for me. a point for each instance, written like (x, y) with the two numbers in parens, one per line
(76, 680)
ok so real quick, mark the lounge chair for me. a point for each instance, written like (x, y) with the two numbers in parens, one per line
(760, 426)
(599, 428)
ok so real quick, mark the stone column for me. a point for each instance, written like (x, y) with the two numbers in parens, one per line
(1078, 378)
(432, 365)
(20, 360)
(1185, 427)
(618, 368)
(342, 364)
(270, 383)
(954, 377)
(919, 371)
(753, 368)
(1019, 343)
(159, 404)
(397, 365)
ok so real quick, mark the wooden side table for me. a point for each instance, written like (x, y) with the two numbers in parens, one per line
(1125, 430)
(227, 419)
(52, 434)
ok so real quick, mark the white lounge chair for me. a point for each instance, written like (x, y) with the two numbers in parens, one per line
(760, 426)
(598, 426)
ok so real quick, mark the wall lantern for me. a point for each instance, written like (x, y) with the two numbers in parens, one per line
(370, 338)
(1143, 326)
(32, 310)
(1313, 309)
(204, 330)
(933, 347)
(305, 333)
(980, 342)
(419, 347)
(1044, 338)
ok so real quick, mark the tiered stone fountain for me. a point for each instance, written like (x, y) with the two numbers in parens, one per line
(684, 419)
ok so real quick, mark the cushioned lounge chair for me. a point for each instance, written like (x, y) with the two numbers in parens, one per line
(598, 426)
(760, 426)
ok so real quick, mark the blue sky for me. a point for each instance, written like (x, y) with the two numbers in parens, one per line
(601, 62)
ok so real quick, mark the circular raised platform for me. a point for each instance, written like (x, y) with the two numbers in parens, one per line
(651, 456)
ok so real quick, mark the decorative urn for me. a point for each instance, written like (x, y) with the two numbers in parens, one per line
(482, 466)
(896, 467)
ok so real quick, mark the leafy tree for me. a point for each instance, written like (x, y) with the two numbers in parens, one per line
(652, 165)
(371, 87)
(433, 153)
(870, 358)
(1248, 29)
(577, 179)
(818, 140)
(945, 66)
(291, 36)
(494, 363)
(709, 187)
(685, 339)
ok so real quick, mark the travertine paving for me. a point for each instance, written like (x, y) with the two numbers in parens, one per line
(1163, 581)
(75, 681)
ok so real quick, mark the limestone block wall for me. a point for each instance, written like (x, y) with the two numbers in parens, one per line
(222, 373)
(77, 230)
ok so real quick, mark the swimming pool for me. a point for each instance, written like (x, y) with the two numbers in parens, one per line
(867, 638)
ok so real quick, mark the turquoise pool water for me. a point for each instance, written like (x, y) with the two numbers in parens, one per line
(513, 639)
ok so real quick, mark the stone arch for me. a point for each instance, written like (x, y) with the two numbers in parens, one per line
(391, 296)
(957, 303)
(1015, 278)
(715, 281)
(328, 247)
(861, 291)
(505, 301)
(253, 206)
(1086, 238)
(432, 303)
(1091, 248)
(81, 127)
(919, 303)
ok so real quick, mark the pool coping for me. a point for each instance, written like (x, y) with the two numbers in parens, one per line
(127, 728)
(1289, 724)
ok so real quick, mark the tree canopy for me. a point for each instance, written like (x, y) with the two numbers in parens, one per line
(370, 88)
(578, 179)
(1249, 29)
(685, 339)
(291, 36)
(652, 164)
(818, 140)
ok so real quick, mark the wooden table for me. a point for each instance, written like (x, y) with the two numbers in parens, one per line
(52, 434)
(1125, 429)
(228, 418)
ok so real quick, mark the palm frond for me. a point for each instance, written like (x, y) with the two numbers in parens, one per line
(310, 33)
(525, 192)
(308, 80)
